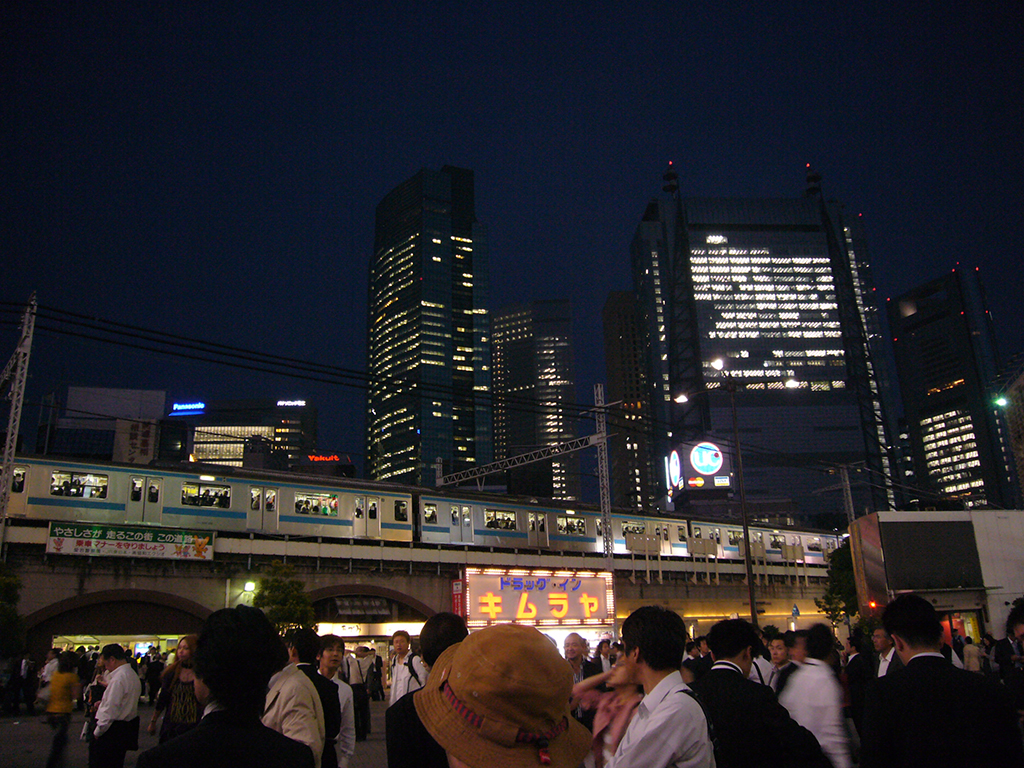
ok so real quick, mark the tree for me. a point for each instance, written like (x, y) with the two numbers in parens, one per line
(10, 622)
(839, 602)
(283, 599)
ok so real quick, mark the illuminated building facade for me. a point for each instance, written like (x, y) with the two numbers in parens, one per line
(947, 369)
(428, 344)
(533, 386)
(781, 290)
(219, 433)
(629, 449)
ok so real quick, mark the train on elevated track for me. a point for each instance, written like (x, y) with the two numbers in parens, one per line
(228, 499)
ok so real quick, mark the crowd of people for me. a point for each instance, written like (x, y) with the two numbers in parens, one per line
(505, 696)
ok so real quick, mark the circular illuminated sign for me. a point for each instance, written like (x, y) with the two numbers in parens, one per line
(706, 458)
(675, 471)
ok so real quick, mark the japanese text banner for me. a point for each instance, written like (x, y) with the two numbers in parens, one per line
(128, 541)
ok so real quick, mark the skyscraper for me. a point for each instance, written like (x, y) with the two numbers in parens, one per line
(534, 395)
(629, 448)
(428, 348)
(780, 290)
(947, 369)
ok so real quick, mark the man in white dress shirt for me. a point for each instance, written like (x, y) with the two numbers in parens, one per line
(814, 697)
(332, 653)
(117, 718)
(669, 729)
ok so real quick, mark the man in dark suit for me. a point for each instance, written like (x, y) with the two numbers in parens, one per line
(752, 728)
(576, 654)
(303, 648)
(408, 742)
(931, 713)
(234, 661)
(859, 672)
(886, 659)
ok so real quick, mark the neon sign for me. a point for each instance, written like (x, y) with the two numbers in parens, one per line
(179, 407)
(332, 457)
(290, 403)
(706, 458)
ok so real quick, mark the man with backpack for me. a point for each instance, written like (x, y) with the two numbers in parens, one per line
(407, 670)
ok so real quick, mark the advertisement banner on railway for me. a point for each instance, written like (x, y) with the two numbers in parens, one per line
(128, 541)
(539, 598)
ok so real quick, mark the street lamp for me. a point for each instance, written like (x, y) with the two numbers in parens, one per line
(730, 387)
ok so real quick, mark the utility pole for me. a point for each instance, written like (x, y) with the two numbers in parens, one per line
(602, 476)
(16, 371)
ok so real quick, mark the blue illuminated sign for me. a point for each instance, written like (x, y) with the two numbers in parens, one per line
(184, 408)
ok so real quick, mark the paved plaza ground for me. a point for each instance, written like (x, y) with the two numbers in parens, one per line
(25, 742)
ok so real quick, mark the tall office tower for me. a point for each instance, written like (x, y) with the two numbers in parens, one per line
(535, 395)
(946, 365)
(629, 447)
(429, 351)
(780, 291)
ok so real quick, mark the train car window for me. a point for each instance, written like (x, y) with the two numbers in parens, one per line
(681, 532)
(718, 535)
(136, 492)
(735, 537)
(255, 499)
(571, 526)
(271, 499)
(203, 495)
(153, 496)
(360, 504)
(322, 504)
(777, 541)
(430, 513)
(697, 533)
(467, 517)
(758, 537)
(401, 511)
(456, 520)
(814, 544)
(18, 481)
(499, 519)
(632, 526)
(542, 520)
(84, 486)
(600, 527)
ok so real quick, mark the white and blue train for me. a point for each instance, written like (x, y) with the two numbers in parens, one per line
(237, 500)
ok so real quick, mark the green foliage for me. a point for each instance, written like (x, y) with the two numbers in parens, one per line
(840, 599)
(11, 639)
(283, 599)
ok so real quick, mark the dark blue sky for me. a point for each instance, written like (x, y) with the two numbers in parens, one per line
(213, 171)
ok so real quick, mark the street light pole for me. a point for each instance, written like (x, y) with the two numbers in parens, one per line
(747, 560)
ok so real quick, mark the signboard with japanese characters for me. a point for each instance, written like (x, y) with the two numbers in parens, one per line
(128, 541)
(135, 441)
(538, 597)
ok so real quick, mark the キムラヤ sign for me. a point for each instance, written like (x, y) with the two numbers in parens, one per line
(538, 597)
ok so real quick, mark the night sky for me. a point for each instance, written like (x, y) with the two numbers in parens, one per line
(212, 171)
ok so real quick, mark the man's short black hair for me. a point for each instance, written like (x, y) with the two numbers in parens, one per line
(114, 651)
(728, 638)
(1014, 620)
(306, 643)
(237, 653)
(439, 632)
(659, 633)
(914, 619)
(820, 642)
(331, 641)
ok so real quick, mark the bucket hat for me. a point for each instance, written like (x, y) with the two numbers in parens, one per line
(501, 698)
